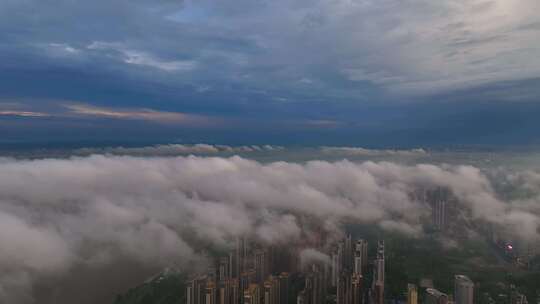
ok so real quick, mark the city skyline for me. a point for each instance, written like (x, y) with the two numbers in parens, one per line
(333, 277)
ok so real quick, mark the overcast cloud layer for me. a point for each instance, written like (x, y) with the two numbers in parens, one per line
(101, 212)
(449, 71)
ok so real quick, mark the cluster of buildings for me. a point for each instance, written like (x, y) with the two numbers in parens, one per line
(250, 274)
(439, 199)
(463, 293)
(348, 272)
(255, 274)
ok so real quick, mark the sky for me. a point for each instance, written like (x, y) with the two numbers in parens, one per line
(383, 73)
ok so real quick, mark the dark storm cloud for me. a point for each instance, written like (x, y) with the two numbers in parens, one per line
(253, 44)
(270, 60)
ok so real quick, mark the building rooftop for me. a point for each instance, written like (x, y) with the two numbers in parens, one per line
(463, 278)
(435, 292)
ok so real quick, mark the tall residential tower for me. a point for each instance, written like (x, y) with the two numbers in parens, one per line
(463, 290)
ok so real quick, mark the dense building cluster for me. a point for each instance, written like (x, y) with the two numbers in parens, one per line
(250, 274)
(343, 274)
(256, 274)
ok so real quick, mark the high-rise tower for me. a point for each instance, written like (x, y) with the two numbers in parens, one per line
(412, 294)
(378, 275)
(463, 290)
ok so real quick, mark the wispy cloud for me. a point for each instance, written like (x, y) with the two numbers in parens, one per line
(23, 113)
(141, 58)
(63, 47)
(139, 114)
(18, 109)
(137, 57)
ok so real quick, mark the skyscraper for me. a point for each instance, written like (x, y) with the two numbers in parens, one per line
(412, 294)
(211, 293)
(344, 288)
(378, 275)
(239, 252)
(439, 214)
(246, 279)
(335, 269)
(232, 265)
(379, 264)
(315, 286)
(348, 253)
(341, 255)
(284, 288)
(463, 290)
(439, 198)
(196, 291)
(223, 269)
(360, 256)
(271, 290)
(228, 291)
(235, 291)
(356, 289)
(261, 265)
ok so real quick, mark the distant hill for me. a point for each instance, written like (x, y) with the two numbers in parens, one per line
(168, 287)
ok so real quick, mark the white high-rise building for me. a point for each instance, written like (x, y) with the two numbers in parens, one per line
(463, 290)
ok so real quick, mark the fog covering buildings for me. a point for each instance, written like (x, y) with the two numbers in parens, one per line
(258, 274)
(141, 214)
(331, 273)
